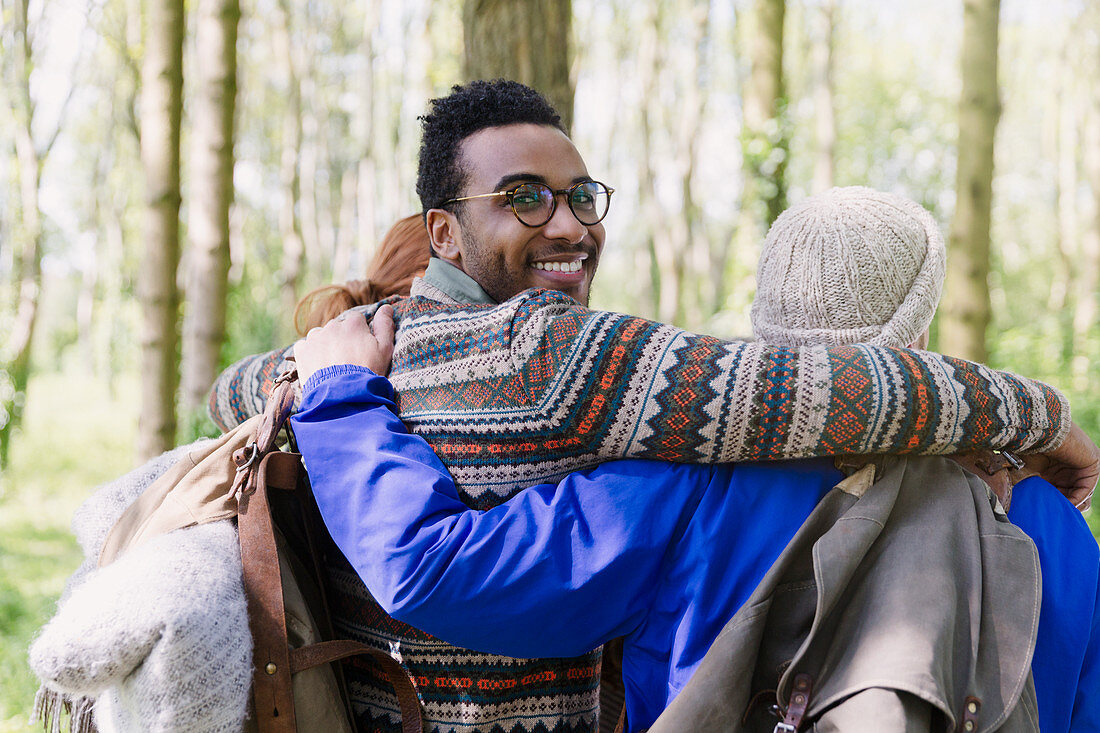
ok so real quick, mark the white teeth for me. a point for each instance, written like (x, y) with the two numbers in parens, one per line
(559, 266)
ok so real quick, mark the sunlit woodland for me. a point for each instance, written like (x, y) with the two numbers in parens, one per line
(173, 177)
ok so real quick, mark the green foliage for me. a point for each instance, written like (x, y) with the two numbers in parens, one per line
(74, 436)
(765, 153)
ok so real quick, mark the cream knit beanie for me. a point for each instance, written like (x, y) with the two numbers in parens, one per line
(851, 265)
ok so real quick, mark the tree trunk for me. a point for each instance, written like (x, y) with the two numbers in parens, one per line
(665, 267)
(161, 106)
(1088, 279)
(290, 227)
(526, 41)
(1066, 105)
(966, 299)
(365, 188)
(211, 196)
(308, 154)
(345, 232)
(690, 236)
(824, 103)
(15, 360)
(765, 141)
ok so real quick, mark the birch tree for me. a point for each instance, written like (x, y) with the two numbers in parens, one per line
(211, 196)
(966, 307)
(677, 244)
(161, 109)
(27, 234)
(525, 41)
(823, 96)
(290, 225)
(1087, 284)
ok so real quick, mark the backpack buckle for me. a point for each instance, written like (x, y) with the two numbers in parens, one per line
(251, 459)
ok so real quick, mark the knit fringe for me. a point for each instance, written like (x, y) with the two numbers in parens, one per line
(51, 706)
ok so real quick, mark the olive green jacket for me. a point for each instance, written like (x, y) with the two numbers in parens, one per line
(907, 601)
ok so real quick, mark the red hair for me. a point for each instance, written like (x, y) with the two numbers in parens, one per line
(402, 255)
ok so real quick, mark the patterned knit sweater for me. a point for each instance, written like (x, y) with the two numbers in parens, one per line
(536, 387)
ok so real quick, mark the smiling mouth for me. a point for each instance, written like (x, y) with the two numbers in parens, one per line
(567, 267)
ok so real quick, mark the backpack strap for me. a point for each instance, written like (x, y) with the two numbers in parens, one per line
(272, 693)
(275, 415)
(260, 467)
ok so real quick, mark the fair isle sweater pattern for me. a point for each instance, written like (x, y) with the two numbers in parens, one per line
(536, 387)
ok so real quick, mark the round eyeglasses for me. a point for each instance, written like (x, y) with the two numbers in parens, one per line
(534, 203)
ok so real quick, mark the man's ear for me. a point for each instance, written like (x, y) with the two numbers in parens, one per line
(445, 234)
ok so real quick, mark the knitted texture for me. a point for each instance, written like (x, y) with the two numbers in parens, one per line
(534, 388)
(851, 265)
(159, 638)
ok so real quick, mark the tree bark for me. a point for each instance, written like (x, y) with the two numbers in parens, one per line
(30, 157)
(666, 267)
(27, 270)
(527, 41)
(1066, 106)
(765, 142)
(365, 188)
(1088, 280)
(966, 308)
(211, 196)
(161, 106)
(824, 103)
(688, 233)
(290, 227)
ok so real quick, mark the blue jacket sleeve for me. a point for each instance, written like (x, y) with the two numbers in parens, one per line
(1066, 664)
(555, 571)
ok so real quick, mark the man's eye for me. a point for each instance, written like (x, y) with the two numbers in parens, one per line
(583, 198)
(526, 198)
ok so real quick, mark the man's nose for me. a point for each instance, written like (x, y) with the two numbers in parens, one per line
(563, 225)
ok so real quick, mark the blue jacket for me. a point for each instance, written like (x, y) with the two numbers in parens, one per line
(661, 553)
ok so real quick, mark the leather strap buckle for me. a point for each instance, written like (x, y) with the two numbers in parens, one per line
(797, 705)
(288, 376)
(1013, 461)
(251, 459)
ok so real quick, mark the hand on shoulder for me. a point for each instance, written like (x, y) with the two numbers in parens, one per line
(348, 339)
(1073, 467)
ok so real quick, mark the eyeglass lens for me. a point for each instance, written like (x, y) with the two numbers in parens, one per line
(534, 202)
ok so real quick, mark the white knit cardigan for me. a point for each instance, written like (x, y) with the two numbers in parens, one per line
(156, 641)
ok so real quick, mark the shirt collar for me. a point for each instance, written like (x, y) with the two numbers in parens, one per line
(444, 276)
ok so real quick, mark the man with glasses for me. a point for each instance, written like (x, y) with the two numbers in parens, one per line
(513, 387)
(510, 235)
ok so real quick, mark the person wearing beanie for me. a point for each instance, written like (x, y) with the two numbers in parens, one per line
(851, 265)
(854, 265)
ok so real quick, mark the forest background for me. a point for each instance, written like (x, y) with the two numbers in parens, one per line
(174, 176)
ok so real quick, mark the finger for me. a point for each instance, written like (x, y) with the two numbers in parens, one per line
(382, 325)
(300, 357)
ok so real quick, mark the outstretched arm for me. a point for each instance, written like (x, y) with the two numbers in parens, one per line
(546, 386)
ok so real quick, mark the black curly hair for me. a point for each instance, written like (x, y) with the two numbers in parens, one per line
(466, 110)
